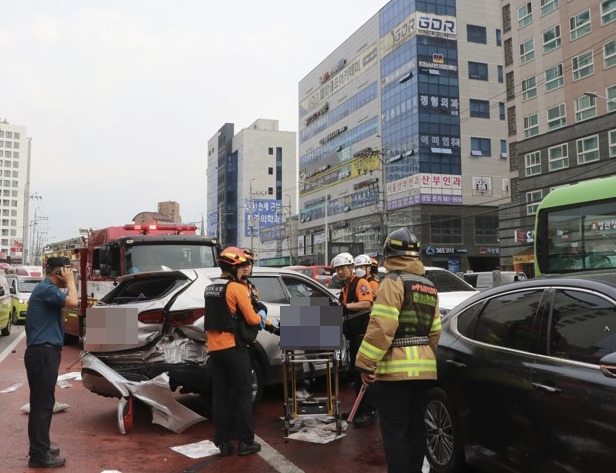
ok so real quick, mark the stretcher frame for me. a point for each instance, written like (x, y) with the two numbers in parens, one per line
(330, 404)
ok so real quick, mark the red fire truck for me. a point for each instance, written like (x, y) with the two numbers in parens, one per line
(101, 256)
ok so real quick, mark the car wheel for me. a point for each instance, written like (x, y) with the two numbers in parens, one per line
(258, 383)
(6, 331)
(445, 453)
(14, 316)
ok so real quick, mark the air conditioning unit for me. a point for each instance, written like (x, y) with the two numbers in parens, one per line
(476, 152)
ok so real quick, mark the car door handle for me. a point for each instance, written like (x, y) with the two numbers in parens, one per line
(457, 364)
(546, 388)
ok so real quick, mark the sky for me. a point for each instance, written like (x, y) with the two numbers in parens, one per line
(120, 97)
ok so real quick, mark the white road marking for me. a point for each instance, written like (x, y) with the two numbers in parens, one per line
(276, 459)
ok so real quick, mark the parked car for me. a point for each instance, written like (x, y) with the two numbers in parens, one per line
(5, 307)
(320, 273)
(483, 280)
(170, 308)
(526, 379)
(21, 287)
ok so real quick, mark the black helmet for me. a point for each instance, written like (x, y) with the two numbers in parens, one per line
(401, 242)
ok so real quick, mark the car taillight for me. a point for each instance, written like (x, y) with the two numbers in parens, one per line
(185, 317)
(152, 317)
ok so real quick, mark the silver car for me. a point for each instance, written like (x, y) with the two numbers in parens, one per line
(169, 306)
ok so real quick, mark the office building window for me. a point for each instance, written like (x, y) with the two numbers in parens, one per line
(610, 94)
(270, 171)
(582, 65)
(503, 148)
(486, 230)
(499, 37)
(579, 25)
(527, 51)
(501, 110)
(587, 149)
(612, 137)
(551, 39)
(270, 151)
(558, 157)
(556, 117)
(481, 147)
(531, 125)
(554, 78)
(525, 15)
(476, 34)
(477, 70)
(585, 107)
(480, 108)
(270, 191)
(532, 201)
(609, 54)
(499, 70)
(548, 5)
(608, 12)
(445, 229)
(532, 163)
(507, 18)
(508, 52)
(529, 88)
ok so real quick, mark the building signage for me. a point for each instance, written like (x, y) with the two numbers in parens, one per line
(427, 183)
(273, 233)
(437, 250)
(523, 236)
(260, 213)
(439, 104)
(333, 134)
(418, 23)
(322, 111)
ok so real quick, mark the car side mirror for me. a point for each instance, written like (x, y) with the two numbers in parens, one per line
(12, 290)
(607, 364)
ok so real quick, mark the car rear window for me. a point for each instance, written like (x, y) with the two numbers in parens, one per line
(143, 289)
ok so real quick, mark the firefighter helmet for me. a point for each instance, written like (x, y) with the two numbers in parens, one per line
(233, 256)
(362, 260)
(343, 259)
(249, 254)
(401, 242)
(374, 262)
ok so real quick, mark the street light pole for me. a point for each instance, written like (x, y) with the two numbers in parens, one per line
(252, 217)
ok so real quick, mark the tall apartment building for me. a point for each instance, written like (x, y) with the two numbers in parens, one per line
(14, 187)
(560, 58)
(404, 125)
(251, 189)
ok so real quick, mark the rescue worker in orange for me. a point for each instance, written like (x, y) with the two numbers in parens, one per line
(363, 269)
(397, 355)
(356, 298)
(232, 324)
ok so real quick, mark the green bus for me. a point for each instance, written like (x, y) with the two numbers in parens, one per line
(575, 228)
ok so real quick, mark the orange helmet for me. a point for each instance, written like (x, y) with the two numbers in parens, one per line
(374, 262)
(233, 256)
(249, 254)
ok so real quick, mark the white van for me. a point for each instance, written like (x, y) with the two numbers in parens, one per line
(483, 280)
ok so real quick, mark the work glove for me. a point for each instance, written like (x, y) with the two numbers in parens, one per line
(263, 314)
(271, 328)
(260, 306)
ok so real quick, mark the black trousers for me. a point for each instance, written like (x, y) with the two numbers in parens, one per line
(42, 364)
(401, 406)
(367, 404)
(232, 397)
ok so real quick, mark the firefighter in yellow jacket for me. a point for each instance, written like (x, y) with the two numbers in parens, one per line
(397, 354)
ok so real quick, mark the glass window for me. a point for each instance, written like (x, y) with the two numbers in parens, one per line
(551, 39)
(481, 146)
(583, 65)
(579, 25)
(445, 229)
(476, 34)
(610, 94)
(527, 51)
(499, 70)
(556, 117)
(548, 5)
(501, 110)
(477, 70)
(554, 78)
(511, 321)
(585, 107)
(532, 201)
(608, 12)
(525, 15)
(588, 149)
(499, 37)
(558, 157)
(579, 328)
(609, 54)
(531, 125)
(271, 289)
(486, 230)
(507, 18)
(529, 88)
(532, 163)
(612, 139)
(479, 108)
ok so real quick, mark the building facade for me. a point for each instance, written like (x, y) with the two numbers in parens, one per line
(15, 190)
(402, 125)
(251, 190)
(560, 74)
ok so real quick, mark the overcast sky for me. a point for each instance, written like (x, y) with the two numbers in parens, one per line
(121, 96)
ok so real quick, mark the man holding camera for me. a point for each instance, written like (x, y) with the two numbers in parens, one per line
(44, 340)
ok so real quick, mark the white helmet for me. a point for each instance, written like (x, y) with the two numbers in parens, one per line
(363, 260)
(343, 259)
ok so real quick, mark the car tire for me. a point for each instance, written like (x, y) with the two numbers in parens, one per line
(6, 331)
(14, 316)
(445, 452)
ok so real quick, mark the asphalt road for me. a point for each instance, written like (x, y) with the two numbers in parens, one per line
(88, 434)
